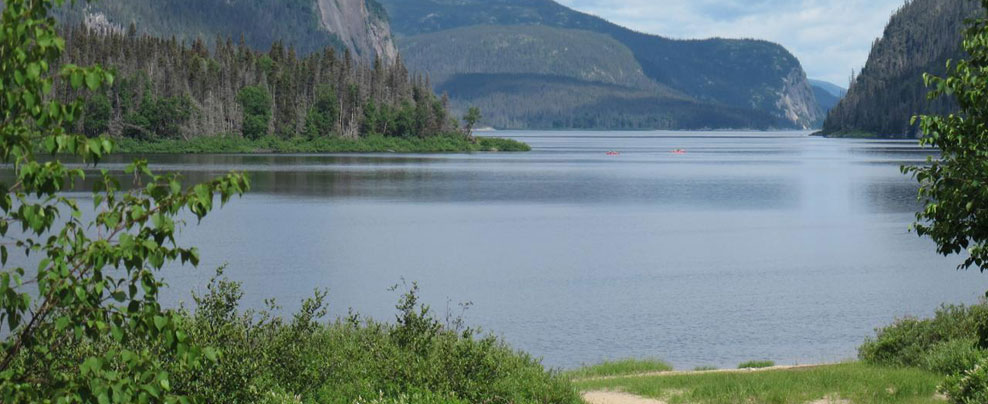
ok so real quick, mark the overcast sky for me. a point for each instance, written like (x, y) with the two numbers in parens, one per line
(830, 37)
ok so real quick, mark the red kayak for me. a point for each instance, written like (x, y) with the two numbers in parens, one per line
(613, 153)
(679, 151)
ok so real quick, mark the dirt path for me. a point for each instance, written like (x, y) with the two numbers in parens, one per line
(612, 397)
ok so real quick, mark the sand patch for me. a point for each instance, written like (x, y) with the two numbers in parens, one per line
(614, 397)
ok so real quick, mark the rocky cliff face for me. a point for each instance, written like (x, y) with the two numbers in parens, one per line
(361, 25)
(307, 25)
(797, 101)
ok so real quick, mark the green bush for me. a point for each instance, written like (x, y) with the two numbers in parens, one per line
(969, 387)
(265, 359)
(907, 341)
(953, 357)
(756, 364)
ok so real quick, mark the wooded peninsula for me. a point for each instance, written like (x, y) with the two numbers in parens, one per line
(172, 97)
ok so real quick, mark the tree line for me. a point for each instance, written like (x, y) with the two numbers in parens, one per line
(171, 89)
(889, 91)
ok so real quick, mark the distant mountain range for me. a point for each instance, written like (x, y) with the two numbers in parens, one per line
(920, 38)
(526, 63)
(827, 94)
(306, 25)
(538, 64)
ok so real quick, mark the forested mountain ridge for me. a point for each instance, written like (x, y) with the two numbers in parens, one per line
(918, 39)
(752, 75)
(307, 25)
(491, 49)
(165, 89)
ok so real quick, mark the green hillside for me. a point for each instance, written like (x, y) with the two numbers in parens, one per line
(544, 50)
(743, 74)
(920, 38)
(554, 102)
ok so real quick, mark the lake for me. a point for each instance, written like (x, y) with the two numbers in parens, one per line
(757, 245)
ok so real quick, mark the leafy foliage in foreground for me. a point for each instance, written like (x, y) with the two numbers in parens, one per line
(97, 281)
(953, 186)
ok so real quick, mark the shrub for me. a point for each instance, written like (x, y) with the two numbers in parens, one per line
(969, 387)
(953, 357)
(417, 360)
(907, 341)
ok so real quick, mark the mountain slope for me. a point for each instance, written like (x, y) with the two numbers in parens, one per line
(742, 74)
(309, 25)
(576, 54)
(919, 39)
(825, 98)
(831, 88)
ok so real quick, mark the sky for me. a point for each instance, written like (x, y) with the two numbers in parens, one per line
(830, 37)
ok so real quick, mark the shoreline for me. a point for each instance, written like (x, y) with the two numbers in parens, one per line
(371, 144)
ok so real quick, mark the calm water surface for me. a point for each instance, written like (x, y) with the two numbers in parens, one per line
(750, 246)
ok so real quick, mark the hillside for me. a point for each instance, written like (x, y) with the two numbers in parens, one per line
(831, 88)
(827, 94)
(757, 76)
(919, 39)
(308, 25)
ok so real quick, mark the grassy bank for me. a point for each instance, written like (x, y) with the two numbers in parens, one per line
(856, 382)
(369, 144)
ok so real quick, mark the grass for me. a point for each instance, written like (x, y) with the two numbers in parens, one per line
(620, 367)
(756, 364)
(857, 382)
(452, 143)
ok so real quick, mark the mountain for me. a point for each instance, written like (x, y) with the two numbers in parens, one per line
(307, 25)
(830, 88)
(825, 99)
(919, 38)
(827, 94)
(720, 76)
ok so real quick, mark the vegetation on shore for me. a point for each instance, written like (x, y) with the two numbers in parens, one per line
(302, 359)
(620, 367)
(452, 143)
(756, 364)
(856, 382)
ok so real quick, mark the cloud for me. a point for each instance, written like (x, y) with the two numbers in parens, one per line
(830, 37)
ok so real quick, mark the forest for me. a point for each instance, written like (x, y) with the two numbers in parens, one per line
(169, 89)
(920, 38)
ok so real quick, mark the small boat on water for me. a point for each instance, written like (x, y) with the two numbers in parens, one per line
(679, 151)
(613, 153)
